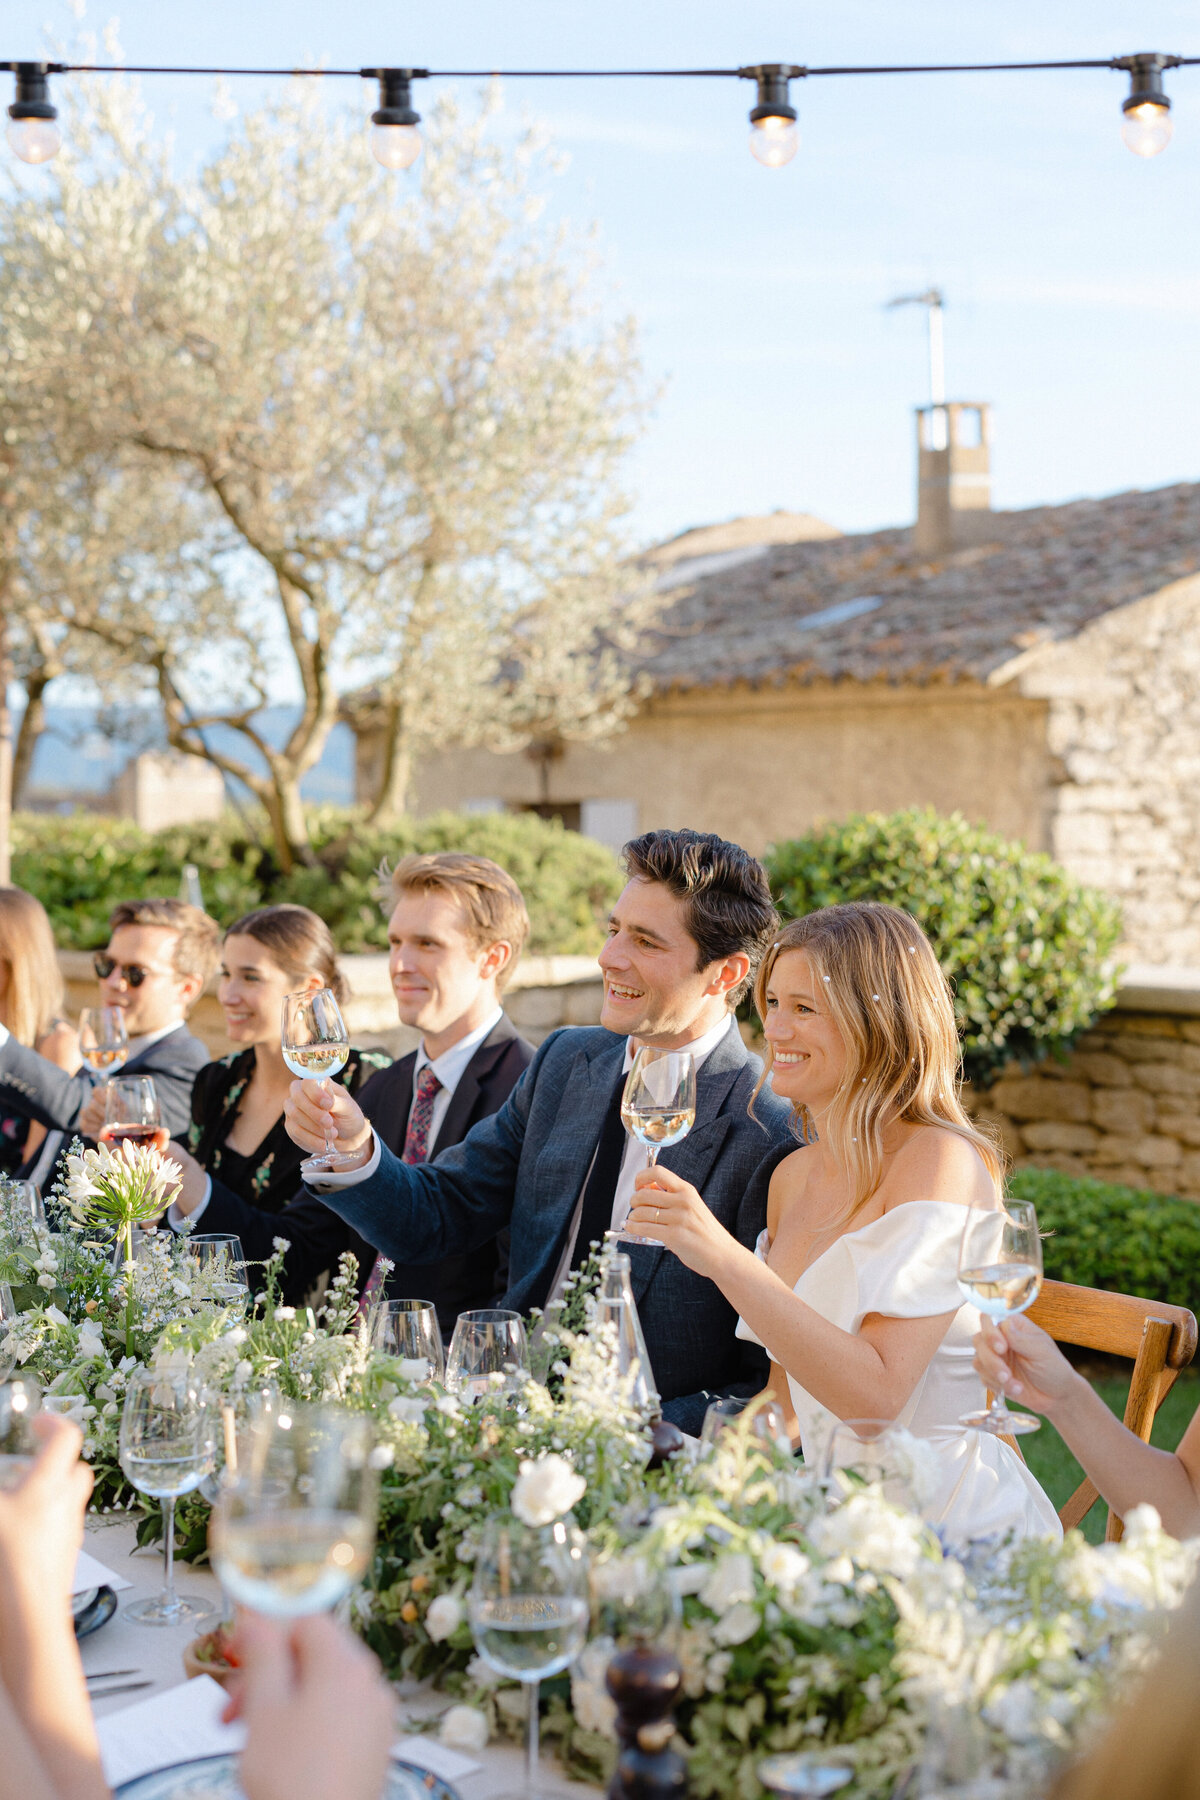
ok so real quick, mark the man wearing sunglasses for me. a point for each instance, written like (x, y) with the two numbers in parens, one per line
(160, 954)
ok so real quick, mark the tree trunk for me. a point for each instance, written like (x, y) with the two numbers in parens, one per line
(33, 723)
(288, 822)
(396, 772)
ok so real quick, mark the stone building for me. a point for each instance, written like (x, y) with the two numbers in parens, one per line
(1037, 670)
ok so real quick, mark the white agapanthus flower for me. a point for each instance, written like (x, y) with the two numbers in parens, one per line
(464, 1728)
(444, 1617)
(545, 1490)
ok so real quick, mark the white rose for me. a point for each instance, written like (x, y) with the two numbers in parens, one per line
(545, 1490)
(731, 1581)
(783, 1565)
(464, 1728)
(444, 1617)
(738, 1624)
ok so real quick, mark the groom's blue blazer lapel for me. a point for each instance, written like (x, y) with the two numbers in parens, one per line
(565, 1155)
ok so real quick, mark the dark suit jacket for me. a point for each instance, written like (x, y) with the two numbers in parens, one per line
(31, 1085)
(317, 1236)
(525, 1168)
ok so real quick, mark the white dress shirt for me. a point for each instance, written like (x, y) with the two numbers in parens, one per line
(633, 1157)
(449, 1067)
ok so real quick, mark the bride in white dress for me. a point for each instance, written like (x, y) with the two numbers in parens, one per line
(852, 1289)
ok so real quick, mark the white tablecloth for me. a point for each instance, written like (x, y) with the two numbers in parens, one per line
(156, 1652)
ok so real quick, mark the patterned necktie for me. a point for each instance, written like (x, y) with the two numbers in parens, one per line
(416, 1150)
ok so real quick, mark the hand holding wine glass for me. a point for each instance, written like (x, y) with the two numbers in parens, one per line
(658, 1106)
(132, 1113)
(315, 1043)
(1000, 1272)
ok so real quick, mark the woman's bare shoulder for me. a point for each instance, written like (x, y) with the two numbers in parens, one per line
(787, 1180)
(935, 1163)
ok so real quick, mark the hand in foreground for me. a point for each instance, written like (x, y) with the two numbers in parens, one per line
(1020, 1360)
(313, 1109)
(319, 1715)
(666, 1208)
(41, 1524)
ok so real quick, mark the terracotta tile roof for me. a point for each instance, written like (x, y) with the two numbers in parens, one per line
(866, 608)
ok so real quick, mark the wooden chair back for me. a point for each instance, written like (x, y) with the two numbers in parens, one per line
(1158, 1339)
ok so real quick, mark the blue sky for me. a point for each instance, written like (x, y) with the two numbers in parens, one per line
(1072, 269)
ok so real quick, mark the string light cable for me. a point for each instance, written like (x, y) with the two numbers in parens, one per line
(395, 141)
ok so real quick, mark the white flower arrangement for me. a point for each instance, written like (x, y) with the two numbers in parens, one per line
(546, 1489)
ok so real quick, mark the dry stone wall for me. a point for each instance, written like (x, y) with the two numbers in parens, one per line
(1125, 1107)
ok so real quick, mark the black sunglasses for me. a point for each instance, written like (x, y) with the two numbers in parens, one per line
(133, 973)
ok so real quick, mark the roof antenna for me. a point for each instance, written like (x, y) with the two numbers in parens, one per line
(934, 301)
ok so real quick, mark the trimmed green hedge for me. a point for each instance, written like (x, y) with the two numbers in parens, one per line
(1123, 1239)
(79, 867)
(1027, 949)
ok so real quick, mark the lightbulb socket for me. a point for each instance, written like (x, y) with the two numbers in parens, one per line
(395, 97)
(1145, 83)
(33, 93)
(774, 101)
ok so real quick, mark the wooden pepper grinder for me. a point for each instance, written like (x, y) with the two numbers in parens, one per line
(645, 1684)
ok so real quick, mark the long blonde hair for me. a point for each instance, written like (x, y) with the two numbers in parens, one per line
(892, 1005)
(34, 998)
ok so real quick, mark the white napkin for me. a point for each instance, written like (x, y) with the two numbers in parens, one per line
(428, 1753)
(176, 1726)
(92, 1574)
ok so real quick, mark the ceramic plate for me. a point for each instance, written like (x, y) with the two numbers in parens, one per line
(92, 1610)
(215, 1778)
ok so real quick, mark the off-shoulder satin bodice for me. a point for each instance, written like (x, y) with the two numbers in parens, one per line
(904, 1265)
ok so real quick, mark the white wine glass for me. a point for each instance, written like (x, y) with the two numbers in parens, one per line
(763, 1421)
(315, 1046)
(132, 1113)
(1000, 1272)
(409, 1329)
(103, 1040)
(223, 1261)
(293, 1532)
(167, 1444)
(658, 1108)
(489, 1354)
(528, 1607)
(20, 1401)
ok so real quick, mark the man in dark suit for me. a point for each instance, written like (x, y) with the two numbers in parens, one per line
(554, 1164)
(160, 954)
(457, 927)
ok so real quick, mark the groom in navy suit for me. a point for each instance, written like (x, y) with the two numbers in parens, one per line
(555, 1166)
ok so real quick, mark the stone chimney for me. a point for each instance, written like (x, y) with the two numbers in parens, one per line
(954, 479)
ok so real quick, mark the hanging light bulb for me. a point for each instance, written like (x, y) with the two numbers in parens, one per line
(33, 134)
(1146, 126)
(395, 140)
(774, 138)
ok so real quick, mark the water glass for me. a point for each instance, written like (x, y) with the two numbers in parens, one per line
(103, 1040)
(1000, 1272)
(762, 1419)
(223, 1262)
(869, 1453)
(167, 1445)
(488, 1354)
(316, 1045)
(29, 1200)
(294, 1531)
(409, 1329)
(8, 1314)
(19, 1402)
(528, 1608)
(635, 1603)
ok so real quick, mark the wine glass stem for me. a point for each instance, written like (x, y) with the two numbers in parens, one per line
(328, 1125)
(651, 1155)
(168, 1510)
(532, 1703)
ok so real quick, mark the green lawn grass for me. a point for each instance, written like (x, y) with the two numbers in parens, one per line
(1057, 1469)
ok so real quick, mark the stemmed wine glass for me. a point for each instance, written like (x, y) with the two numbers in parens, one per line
(19, 1401)
(764, 1421)
(167, 1445)
(132, 1112)
(29, 1200)
(658, 1107)
(528, 1608)
(103, 1040)
(409, 1329)
(487, 1342)
(317, 1044)
(1000, 1272)
(868, 1452)
(223, 1260)
(8, 1314)
(293, 1532)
